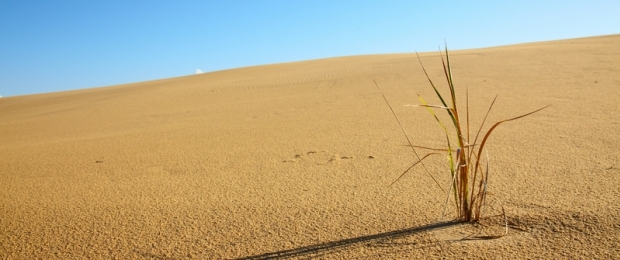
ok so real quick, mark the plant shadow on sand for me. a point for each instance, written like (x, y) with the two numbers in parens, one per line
(335, 246)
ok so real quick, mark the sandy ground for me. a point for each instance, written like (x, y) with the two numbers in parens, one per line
(295, 160)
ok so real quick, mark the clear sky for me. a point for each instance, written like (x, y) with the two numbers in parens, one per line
(48, 46)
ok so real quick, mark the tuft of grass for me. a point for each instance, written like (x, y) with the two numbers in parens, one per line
(468, 186)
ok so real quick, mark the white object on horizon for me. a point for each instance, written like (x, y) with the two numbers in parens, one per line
(198, 71)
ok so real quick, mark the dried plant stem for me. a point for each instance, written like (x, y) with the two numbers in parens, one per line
(469, 181)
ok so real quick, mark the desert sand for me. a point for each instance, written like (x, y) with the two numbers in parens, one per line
(295, 160)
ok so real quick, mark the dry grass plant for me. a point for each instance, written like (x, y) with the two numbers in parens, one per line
(468, 186)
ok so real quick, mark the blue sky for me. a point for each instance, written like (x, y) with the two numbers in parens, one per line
(48, 46)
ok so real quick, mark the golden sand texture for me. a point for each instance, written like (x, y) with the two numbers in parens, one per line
(295, 160)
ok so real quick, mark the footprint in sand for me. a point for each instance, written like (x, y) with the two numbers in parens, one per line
(320, 158)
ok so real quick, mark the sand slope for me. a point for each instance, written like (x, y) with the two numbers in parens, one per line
(294, 160)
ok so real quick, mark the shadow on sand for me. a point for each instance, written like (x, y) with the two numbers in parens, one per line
(340, 244)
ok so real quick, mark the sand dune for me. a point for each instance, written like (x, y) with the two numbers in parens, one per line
(295, 160)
